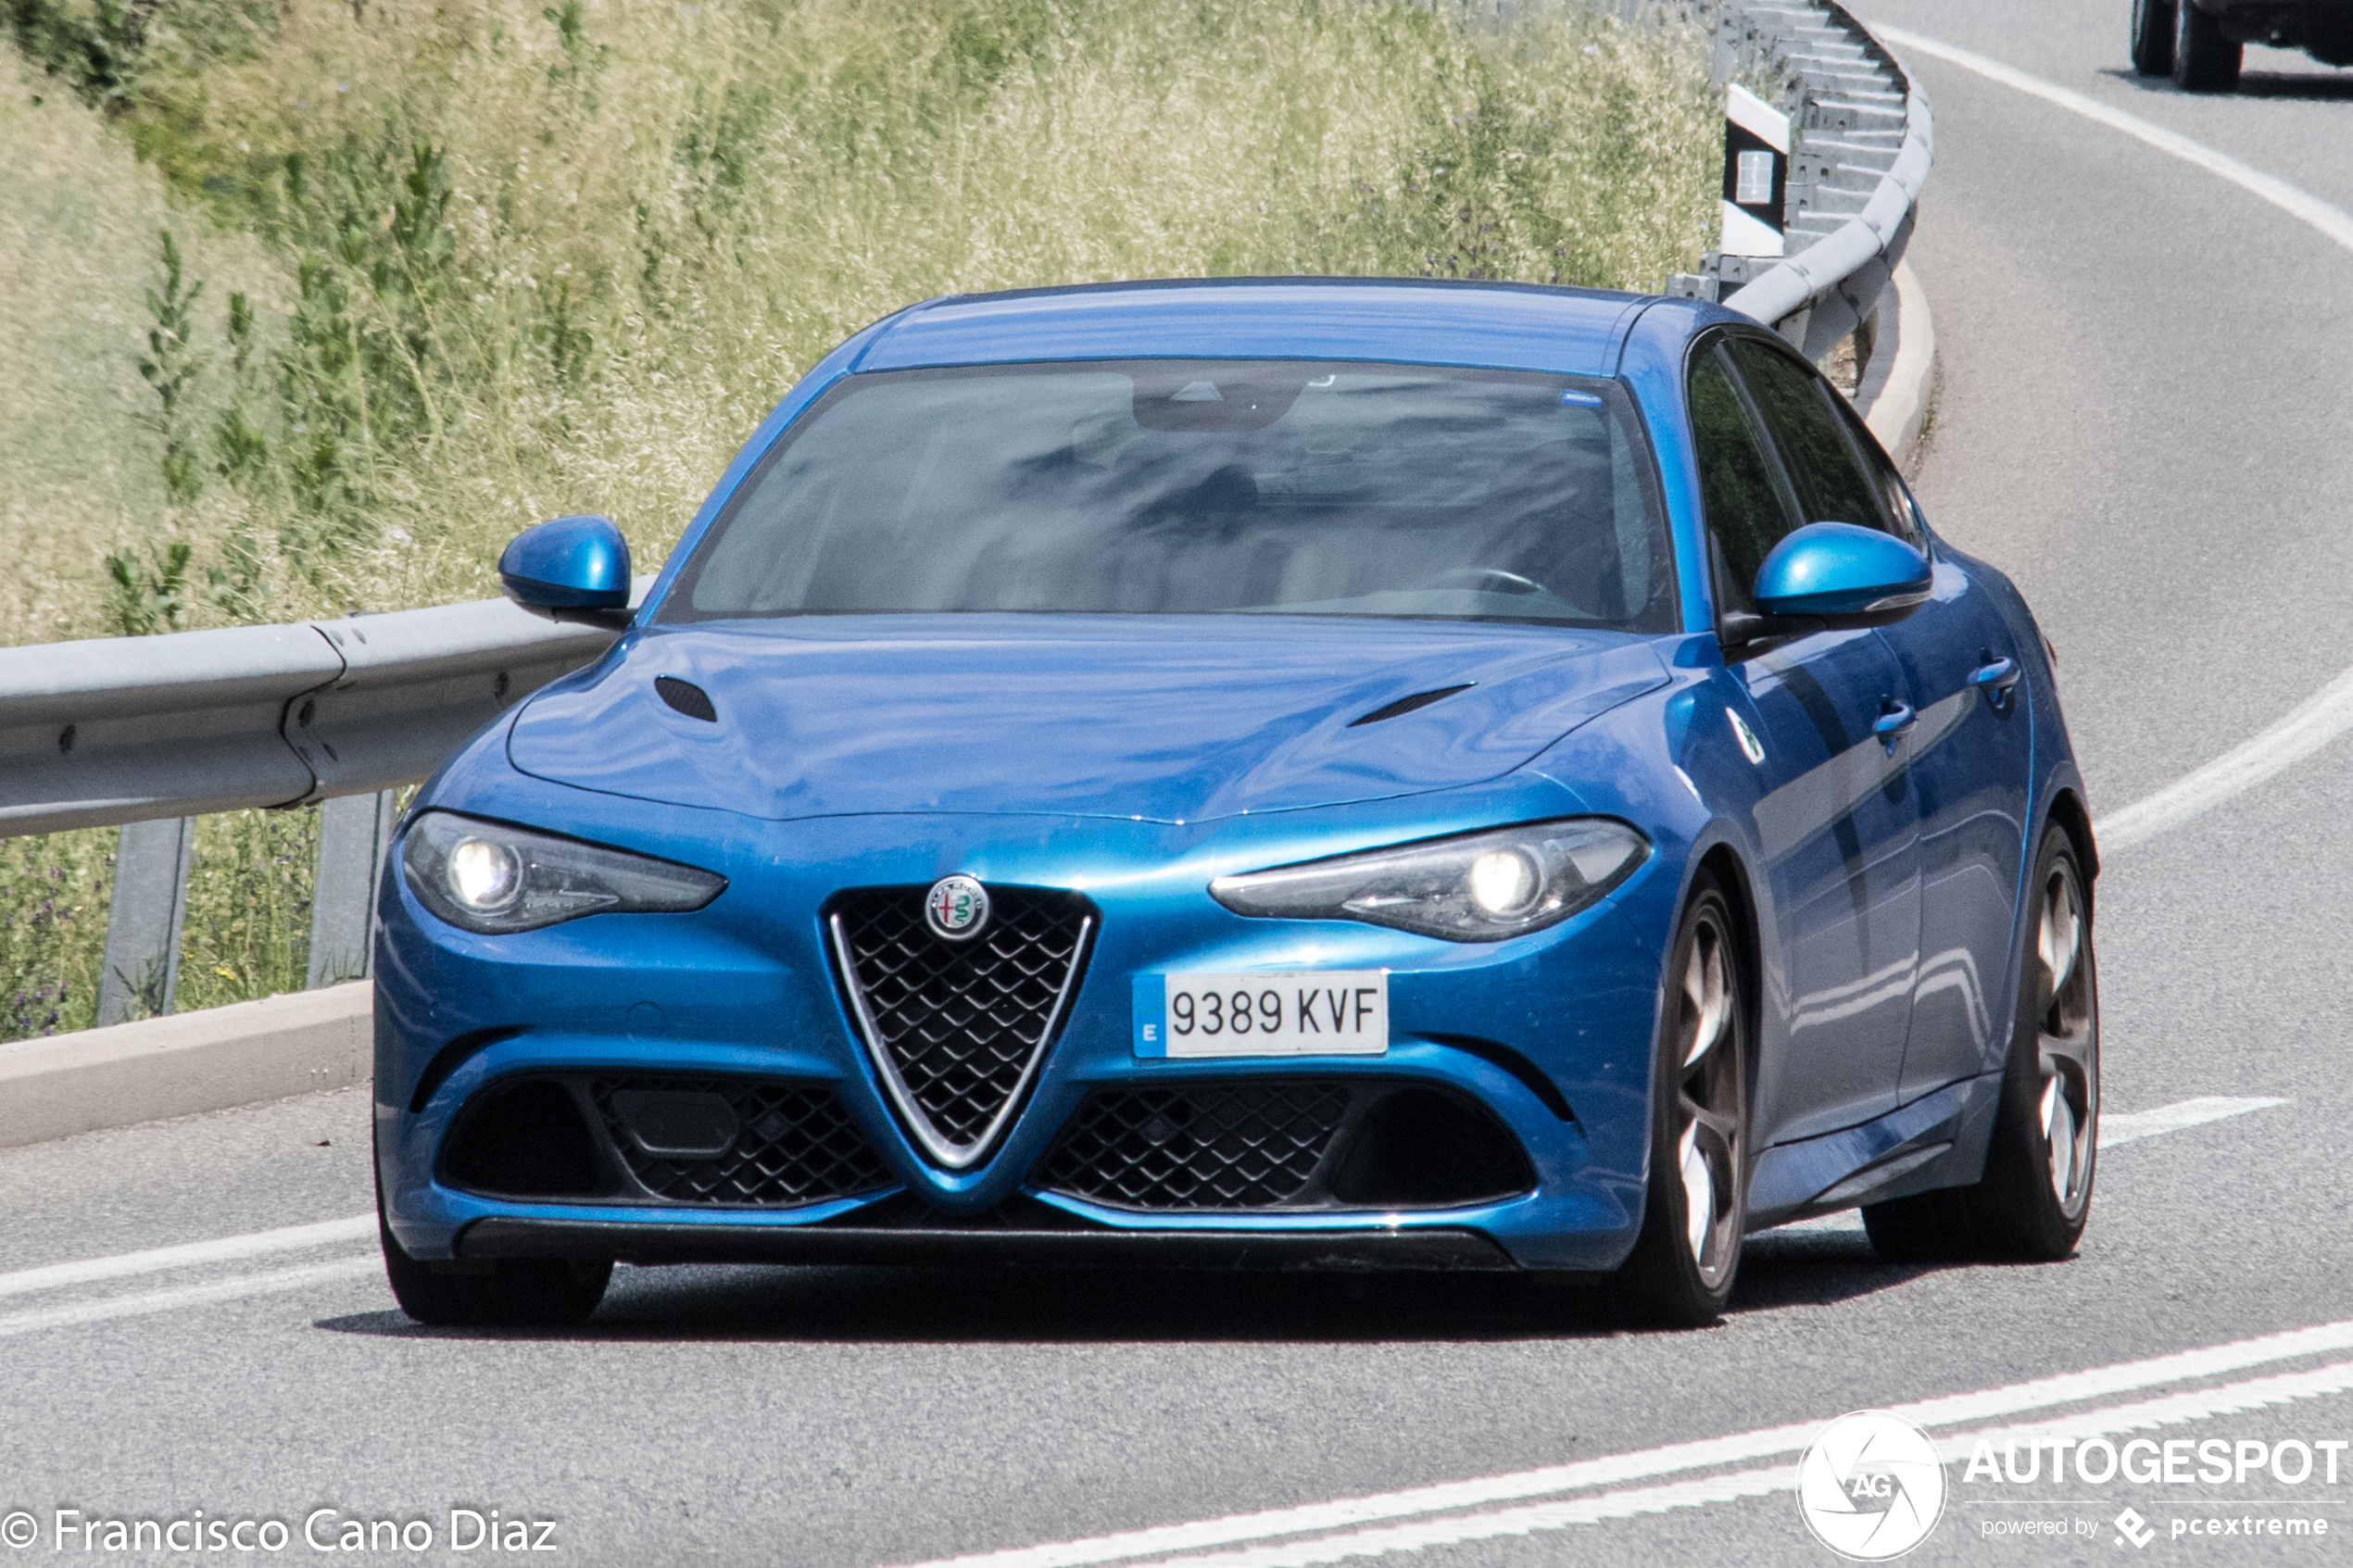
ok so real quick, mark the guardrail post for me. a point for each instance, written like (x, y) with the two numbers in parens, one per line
(144, 918)
(354, 830)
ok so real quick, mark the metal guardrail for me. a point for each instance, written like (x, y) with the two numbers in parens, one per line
(151, 731)
(1865, 138)
(147, 733)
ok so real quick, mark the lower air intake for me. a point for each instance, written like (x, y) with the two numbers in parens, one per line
(793, 1144)
(702, 1142)
(1284, 1144)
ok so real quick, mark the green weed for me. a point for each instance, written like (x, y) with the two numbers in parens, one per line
(358, 292)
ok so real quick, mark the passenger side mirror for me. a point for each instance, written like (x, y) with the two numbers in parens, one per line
(1834, 576)
(574, 569)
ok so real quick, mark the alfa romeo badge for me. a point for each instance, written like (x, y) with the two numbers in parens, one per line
(957, 907)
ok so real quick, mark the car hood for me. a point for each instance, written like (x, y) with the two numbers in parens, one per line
(1163, 719)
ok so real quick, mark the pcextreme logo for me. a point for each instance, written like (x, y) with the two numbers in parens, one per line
(1870, 1486)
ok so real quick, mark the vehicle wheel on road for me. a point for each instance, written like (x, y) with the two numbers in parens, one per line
(2153, 24)
(1680, 1271)
(516, 1293)
(2036, 1192)
(2204, 61)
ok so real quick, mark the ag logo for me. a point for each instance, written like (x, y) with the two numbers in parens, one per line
(1871, 1486)
(957, 907)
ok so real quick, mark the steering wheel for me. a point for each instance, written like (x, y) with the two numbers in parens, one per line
(1494, 578)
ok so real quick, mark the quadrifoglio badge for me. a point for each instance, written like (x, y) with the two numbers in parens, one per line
(1870, 1486)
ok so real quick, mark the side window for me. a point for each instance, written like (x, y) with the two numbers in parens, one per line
(1747, 508)
(1883, 473)
(1831, 485)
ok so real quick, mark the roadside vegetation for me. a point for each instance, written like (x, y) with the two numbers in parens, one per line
(310, 305)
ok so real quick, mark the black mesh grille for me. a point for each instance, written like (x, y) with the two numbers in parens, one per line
(1208, 1146)
(794, 1145)
(962, 1020)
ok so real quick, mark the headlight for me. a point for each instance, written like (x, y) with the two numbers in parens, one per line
(1478, 887)
(491, 878)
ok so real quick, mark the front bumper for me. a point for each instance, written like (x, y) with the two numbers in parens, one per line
(1549, 1035)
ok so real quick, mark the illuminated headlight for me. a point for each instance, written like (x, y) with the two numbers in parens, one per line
(1477, 887)
(491, 878)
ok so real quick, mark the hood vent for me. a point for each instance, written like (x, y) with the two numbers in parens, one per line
(690, 699)
(1405, 704)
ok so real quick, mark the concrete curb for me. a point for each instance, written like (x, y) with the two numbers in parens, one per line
(208, 1060)
(1894, 395)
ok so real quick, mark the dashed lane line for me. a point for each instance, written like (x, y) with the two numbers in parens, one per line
(228, 1248)
(2130, 1127)
(142, 1303)
(2196, 1113)
(1775, 1442)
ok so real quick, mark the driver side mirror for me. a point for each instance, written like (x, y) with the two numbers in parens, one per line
(575, 568)
(1834, 576)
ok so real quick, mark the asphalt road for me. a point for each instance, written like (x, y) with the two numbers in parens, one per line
(2145, 373)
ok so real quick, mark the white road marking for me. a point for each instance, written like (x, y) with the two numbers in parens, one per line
(227, 1248)
(2203, 1405)
(173, 1299)
(2114, 1129)
(2328, 713)
(2196, 1113)
(2331, 221)
(2306, 728)
(1706, 1453)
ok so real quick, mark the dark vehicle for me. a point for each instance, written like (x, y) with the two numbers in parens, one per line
(2200, 42)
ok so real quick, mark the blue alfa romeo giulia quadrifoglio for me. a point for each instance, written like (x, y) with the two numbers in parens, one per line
(1273, 774)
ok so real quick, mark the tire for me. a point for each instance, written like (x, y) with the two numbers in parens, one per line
(2153, 25)
(1681, 1272)
(2035, 1196)
(512, 1293)
(2204, 61)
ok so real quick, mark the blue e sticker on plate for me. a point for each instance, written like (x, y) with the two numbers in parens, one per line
(1152, 1015)
(1572, 398)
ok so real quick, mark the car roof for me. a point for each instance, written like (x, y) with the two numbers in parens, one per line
(1501, 326)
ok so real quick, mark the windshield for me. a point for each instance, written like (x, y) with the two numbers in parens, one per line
(1199, 486)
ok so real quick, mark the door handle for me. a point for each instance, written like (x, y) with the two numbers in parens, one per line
(1997, 678)
(1895, 724)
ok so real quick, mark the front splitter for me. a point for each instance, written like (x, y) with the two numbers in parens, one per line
(1348, 1251)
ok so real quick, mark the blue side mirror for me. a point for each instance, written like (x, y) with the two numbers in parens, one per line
(573, 568)
(1843, 576)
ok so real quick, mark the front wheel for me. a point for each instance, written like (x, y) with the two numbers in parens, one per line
(2204, 61)
(2035, 1196)
(1680, 1271)
(2153, 24)
(508, 1292)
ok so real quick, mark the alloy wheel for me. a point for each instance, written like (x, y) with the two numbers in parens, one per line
(2067, 1038)
(1708, 1115)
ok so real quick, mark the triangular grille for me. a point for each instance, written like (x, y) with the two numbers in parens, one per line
(957, 1028)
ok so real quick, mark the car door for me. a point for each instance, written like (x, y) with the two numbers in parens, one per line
(1972, 769)
(1836, 823)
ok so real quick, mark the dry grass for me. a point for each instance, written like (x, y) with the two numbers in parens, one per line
(505, 261)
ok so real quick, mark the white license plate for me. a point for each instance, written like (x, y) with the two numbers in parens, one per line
(1303, 1012)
